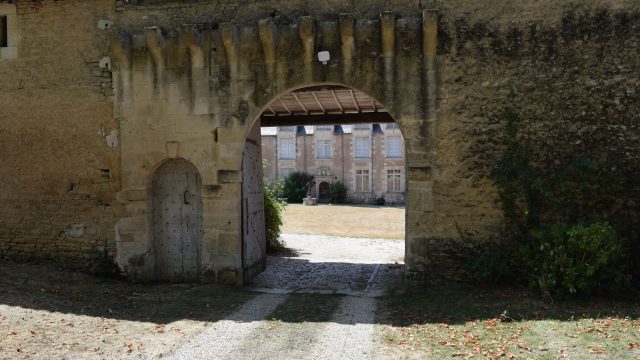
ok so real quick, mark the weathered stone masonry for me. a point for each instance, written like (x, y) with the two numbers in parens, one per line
(77, 161)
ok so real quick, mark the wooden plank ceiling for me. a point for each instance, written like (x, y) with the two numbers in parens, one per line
(324, 105)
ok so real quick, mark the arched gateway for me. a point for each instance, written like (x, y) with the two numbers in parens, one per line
(199, 93)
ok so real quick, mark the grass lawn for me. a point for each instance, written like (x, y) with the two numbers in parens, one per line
(345, 221)
(467, 323)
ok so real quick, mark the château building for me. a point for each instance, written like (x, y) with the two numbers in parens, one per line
(368, 158)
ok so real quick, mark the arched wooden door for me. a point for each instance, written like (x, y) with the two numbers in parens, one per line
(323, 192)
(177, 221)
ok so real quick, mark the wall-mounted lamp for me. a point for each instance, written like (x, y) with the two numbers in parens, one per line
(324, 57)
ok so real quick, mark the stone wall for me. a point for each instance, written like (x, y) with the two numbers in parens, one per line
(59, 152)
(569, 69)
(572, 78)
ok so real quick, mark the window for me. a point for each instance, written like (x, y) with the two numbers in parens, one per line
(362, 146)
(323, 150)
(285, 172)
(392, 126)
(323, 127)
(393, 146)
(287, 149)
(362, 126)
(4, 32)
(362, 180)
(393, 181)
(9, 37)
(288, 128)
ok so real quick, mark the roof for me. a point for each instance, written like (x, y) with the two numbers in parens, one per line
(323, 100)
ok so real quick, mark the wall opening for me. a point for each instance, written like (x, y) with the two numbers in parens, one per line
(338, 136)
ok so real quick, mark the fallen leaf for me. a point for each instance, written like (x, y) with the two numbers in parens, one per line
(597, 349)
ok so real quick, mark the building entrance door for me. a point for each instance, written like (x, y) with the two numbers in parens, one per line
(323, 192)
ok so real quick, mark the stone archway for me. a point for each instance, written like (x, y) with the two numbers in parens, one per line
(177, 221)
(196, 92)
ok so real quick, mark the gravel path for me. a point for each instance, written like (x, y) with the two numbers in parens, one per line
(225, 335)
(333, 265)
(356, 267)
(350, 334)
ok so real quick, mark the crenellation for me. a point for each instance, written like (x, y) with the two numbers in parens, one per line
(307, 34)
(347, 43)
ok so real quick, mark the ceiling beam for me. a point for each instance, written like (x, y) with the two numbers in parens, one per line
(324, 111)
(353, 98)
(285, 107)
(304, 108)
(326, 119)
(335, 98)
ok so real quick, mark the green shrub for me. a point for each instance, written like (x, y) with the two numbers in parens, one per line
(574, 260)
(337, 192)
(273, 218)
(296, 186)
(493, 266)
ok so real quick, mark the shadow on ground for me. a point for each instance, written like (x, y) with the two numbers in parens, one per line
(459, 303)
(42, 287)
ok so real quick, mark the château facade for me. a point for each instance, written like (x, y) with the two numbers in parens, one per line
(368, 158)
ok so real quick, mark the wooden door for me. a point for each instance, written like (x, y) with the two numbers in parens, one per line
(177, 221)
(254, 244)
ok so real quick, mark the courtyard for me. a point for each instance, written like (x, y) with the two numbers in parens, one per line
(345, 221)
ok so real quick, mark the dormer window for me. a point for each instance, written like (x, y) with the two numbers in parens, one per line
(8, 32)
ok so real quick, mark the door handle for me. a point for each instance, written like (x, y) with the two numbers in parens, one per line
(186, 197)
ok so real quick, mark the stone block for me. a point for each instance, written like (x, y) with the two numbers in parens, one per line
(229, 176)
(132, 224)
(172, 148)
(227, 261)
(420, 196)
(228, 243)
(212, 191)
(8, 53)
(126, 238)
(228, 277)
(137, 195)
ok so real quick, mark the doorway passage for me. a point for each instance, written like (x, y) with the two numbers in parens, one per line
(329, 138)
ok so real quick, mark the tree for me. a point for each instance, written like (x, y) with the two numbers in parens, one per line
(337, 192)
(296, 186)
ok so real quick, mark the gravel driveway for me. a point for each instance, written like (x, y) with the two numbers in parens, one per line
(353, 269)
(333, 265)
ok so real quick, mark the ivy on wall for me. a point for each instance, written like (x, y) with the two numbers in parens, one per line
(582, 196)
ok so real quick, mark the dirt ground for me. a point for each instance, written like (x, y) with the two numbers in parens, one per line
(345, 221)
(47, 313)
